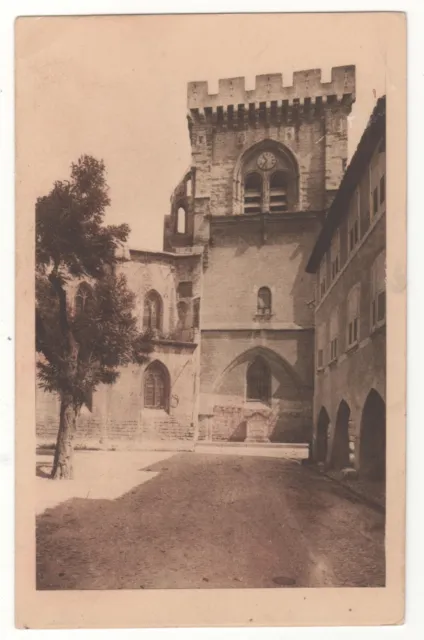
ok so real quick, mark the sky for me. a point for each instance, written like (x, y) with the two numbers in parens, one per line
(115, 87)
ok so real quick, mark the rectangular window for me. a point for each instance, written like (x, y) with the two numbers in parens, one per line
(382, 189)
(353, 310)
(353, 222)
(320, 346)
(335, 255)
(322, 277)
(333, 349)
(196, 313)
(378, 291)
(377, 181)
(334, 334)
(381, 306)
(185, 290)
(375, 201)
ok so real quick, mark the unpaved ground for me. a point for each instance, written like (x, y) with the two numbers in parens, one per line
(98, 474)
(213, 521)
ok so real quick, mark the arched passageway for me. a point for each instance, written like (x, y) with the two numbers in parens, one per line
(340, 450)
(372, 455)
(322, 435)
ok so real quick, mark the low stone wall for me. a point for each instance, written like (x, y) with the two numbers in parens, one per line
(256, 424)
(99, 431)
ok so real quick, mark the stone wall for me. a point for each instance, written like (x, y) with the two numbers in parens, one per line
(362, 368)
(118, 415)
(240, 261)
(225, 356)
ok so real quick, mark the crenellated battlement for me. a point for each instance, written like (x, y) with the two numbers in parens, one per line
(307, 86)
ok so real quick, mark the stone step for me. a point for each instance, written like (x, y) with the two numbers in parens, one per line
(264, 445)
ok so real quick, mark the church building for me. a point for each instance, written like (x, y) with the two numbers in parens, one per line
(229, 298)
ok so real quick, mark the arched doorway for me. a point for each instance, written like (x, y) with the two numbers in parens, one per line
(322, 436)
(372, 454)
(156, 386)
(340, 450)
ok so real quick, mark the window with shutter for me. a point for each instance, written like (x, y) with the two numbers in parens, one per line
(335, 255)
(323, 277)
(334, 334)
(353, 222)
(278, 192)
(353, 309)
(320, 361)
(378, 291)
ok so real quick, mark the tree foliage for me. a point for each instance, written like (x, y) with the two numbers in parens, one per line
(104, 329)
(81, 341)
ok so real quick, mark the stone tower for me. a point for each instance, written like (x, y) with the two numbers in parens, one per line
(265, 166)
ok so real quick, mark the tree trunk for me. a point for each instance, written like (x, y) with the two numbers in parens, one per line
(64, 454)
(63, 459)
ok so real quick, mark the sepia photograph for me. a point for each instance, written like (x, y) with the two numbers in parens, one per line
(206, 203)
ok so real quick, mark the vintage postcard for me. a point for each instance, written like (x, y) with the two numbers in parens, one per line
(210, 304)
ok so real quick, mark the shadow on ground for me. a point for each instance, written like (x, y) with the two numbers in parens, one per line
(210, 521)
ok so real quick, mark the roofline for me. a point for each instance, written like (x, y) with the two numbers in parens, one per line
(375, 129)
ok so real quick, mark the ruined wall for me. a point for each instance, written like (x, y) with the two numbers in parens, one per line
(117, 416)
(163, 273)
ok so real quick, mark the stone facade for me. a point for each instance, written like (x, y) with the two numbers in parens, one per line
(257, 238)
(350, 376)
(265, 165)
(118, 415)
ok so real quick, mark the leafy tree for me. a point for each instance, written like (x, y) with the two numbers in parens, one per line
(82, 342)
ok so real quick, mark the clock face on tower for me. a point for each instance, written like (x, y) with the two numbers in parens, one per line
(266, 161)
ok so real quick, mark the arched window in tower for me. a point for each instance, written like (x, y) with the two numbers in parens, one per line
(253, 193)
(266, 180)
(152, 318)
(83, 297)
(278, 192)
(181, 220)
(156, 387)
(264, 301)
(259, 381)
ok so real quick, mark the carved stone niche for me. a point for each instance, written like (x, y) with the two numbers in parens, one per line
(257, 426)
